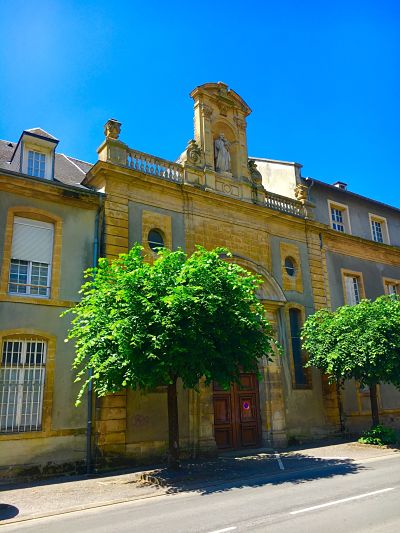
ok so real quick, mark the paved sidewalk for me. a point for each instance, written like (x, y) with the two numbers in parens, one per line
(25, 501)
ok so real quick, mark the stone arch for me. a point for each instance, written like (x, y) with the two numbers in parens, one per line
(270, 290)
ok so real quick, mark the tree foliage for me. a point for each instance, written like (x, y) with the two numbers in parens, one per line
(360, 342)
(142, 325)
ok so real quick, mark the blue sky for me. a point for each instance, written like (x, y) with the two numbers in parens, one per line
(322, 78)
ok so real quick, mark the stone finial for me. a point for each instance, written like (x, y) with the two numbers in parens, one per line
(112, 129)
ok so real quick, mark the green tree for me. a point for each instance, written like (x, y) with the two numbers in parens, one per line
(142, 325)
(360, 342)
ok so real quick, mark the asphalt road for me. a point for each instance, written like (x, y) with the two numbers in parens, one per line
(328, 500)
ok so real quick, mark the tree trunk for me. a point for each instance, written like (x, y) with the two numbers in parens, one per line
(173, 426)
(374, 404)
(340, 405)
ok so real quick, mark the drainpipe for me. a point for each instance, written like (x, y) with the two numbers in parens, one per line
(89, 430)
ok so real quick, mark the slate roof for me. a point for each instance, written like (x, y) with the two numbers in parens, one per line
(6, 151)
(68, 170)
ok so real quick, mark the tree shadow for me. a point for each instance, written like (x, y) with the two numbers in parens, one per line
(226, 474)
(8, 511)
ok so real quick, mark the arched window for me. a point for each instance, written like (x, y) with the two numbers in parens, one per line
(300, 374)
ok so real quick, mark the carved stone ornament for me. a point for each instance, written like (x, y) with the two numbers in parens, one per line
(240, 123)
(254, 172)
(112, 129)
(193, 153)
(223, 108)
(301, 193)
(207, 110)
(222, 89)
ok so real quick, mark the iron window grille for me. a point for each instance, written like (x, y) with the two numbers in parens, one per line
(22, 377)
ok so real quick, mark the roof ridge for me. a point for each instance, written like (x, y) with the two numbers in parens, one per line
(39, 129)
(80, 160)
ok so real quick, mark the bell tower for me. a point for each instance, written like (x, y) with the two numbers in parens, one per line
(221, 143)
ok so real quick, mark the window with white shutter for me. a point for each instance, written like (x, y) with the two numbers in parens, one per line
(22, 377)
(31, 257)
(352, 286)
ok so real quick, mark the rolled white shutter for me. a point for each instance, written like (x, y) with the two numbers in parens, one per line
(32, 240)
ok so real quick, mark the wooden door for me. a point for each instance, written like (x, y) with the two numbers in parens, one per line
(237, 414)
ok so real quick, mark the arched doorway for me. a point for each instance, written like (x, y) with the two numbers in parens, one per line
(240, 418)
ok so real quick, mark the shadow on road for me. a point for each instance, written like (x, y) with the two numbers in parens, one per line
(255, 471)
(8, 511)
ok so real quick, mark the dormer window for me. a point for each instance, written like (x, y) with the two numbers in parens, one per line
(34, 154)
(36, 164)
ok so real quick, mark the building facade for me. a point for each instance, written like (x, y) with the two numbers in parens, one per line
(47, 232)
(314, 245)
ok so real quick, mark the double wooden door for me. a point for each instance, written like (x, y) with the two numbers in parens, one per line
(237, 414)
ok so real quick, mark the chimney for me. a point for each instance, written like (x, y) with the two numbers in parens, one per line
(340, 185)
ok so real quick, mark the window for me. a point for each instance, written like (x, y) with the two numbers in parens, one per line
(36, 164)
(339, 217)
(31, 256)
(22, 374)
(377, 234)
(155, 239)
(392, 286)
(379, 231)
(301, 378)
(290, 266)
(352, 286)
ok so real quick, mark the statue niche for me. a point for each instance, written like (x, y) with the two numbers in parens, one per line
(222, 156)
(225, 147)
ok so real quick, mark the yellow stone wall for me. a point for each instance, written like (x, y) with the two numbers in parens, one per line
(211, 220)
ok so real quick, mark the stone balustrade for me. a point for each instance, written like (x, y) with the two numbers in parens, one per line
(285, 205)
(168, 170)
(155, 166)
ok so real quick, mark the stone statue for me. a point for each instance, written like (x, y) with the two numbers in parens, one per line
(221, 154)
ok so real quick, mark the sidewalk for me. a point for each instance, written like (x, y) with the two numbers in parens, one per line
(26, 501)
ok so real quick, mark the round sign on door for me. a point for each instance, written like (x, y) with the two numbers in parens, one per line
(246, 409)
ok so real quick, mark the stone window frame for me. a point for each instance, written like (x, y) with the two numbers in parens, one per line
(48, 388)
(307, 371)
(384, 226)
(390, 281)
(40, 215)
(355, 274)
(332, 204)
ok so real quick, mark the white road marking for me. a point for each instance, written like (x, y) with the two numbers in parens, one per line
(278, 458)
(336, 502)
(222, 530)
